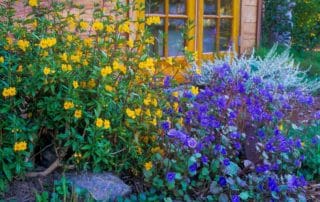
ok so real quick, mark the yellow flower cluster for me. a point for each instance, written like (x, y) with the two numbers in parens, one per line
(23, 44)
(102, 123)
(84, 25)
(130, 43)
(153, 20)
(46, 71)
(148, 100)
(47, 42)
(78, 114)
(106, 71)
(97, 25)
(20, 146)
(194, 90)
(108, 88)
(148, 64)
(124, 27)
(75, 84)
(68, 105)
(119, 66)
(130, 113)
(33, 3)
(110, 29)
(64, 57)
(1, 59)
(66, 67)
(9, 92)
(148, 165)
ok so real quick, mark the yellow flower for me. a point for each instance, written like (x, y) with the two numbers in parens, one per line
(88, 42)
(33, 3)
(148, 113)
(34, 24)
(46, 70)
(124, 27)
(1, 59)
(148, 165)
(131, 113)
(175, 94)
(130, 43)
(108, 88)
(9, 92)
(68, 105)
(154, 122)
(169, 61)
(75, 58)
(69, 38)
(110, 28)
(84, 25)
(150, 40)
(78, 114)
(180, 122)
(97, 25)
(64, 57)
(119, 66)
(106, 124)
(281, 127)
(20, 146)
(155, 102)
(20, 68)
(75, 84)
(198, 71)
(137, 111)
(99, 122)
(176, 106)
(194, 90)
(159, 113)
(47, 42)
(106, 71)
(66, 67)
(153, 20)
(92, 83)
(23, 44)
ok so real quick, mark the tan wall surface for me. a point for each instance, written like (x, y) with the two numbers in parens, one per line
(249, 19)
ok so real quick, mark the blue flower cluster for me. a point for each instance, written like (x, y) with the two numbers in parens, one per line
(231, 119)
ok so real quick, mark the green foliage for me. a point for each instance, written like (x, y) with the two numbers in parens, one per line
(306, 17)
(310, 137)
(94, 93)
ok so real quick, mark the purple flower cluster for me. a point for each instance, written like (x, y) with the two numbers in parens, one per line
(182, 138)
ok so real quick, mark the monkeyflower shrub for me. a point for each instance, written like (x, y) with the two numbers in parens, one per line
(86, 89)
(224, 139)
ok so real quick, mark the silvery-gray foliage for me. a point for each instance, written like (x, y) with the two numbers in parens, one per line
(279, 69)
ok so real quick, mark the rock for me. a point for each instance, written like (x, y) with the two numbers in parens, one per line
(102, 186)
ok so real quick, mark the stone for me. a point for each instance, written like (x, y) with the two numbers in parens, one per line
(101, 186)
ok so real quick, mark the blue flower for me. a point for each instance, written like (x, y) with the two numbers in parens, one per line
(272, 184)
(193, 168)
(167, 81)
(170, 176)
(226, 162)
(192, 143)
(165, 125)
(235, 198)
(222, 181)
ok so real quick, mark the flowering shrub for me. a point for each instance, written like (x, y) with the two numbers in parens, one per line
(89, 87)
(225, 141)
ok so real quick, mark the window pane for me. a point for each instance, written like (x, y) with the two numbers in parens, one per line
(226, 7)
(225, 34)
(175, 37)
(157, 31)
(155, 6)
(177, 7)
(209, 35)
(210, 7)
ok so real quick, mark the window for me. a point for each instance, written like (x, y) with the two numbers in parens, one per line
(216, 25)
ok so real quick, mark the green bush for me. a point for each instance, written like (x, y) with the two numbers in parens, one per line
(306, 17)
(83, 85)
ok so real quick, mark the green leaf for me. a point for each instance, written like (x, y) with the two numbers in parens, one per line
(244, 195)
(6, 171)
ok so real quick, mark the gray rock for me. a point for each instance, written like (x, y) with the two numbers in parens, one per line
(102, 186)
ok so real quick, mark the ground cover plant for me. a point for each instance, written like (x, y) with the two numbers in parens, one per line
(224, 138)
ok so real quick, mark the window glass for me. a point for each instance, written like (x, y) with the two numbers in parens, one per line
(210, 7)
(157, 32)
(209, 35)
(226, 7)
(155, 6)
(177, 7)
(225, 34)
(175, 37)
